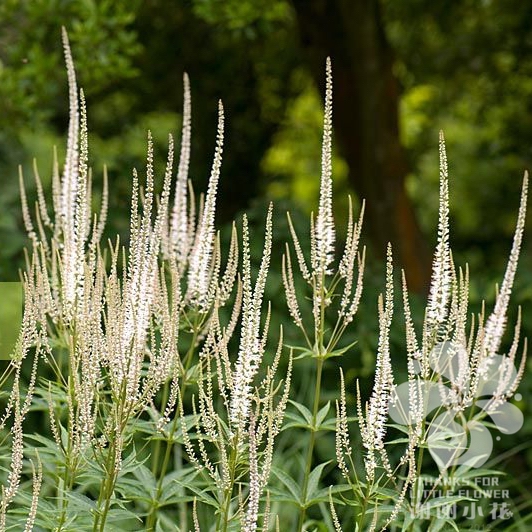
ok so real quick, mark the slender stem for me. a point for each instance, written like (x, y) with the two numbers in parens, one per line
(417, 499)
(157, 446)
(319, 334)
(68, 483)
(228, 492)
(107, 490)
(111, 486)
(103, 489)
(183, 520)
(362, 515)
(226, 508)
(69, 472)
(111, 470)
(150, 520)
(310, 450)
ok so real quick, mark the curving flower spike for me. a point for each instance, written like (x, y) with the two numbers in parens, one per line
(69, 181)
(201, 258)
(377, 409)
(496, 323)
(252, 347)
(441, 281)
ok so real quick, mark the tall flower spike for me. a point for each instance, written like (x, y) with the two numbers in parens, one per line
(251, 347)
(82, 219)
(440, 286)
(69, 183)
(325, 233)
(343, 443)
(299, 252)
(74, 223)
(373, 428)
(200, 262)
(349, 302)
(179, 228)
(495, 324)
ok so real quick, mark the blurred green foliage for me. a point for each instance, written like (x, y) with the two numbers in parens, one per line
(466, 68)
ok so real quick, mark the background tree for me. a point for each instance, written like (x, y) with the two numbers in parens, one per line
(366, 119)
(461, 66)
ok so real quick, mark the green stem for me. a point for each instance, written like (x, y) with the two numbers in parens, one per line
(69, 473)
(150, 520)
(228, 493)
(110, 468)
(319, 334)
(100, 517)
(68, 483)
(362, 516)
(417, 499)
(157, 449)
(310, 450)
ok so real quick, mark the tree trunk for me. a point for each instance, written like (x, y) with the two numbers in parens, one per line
(366, 95)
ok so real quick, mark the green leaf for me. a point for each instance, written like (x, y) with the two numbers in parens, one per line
(336, 353)
(80, 501)
(314, 480)
(305, 352)
(144, 476)
(322, 495)
(322, 414)
(289, 483)
(305, 412)
(440, 523)
(439, 502)
(465, 471)
(202, 495)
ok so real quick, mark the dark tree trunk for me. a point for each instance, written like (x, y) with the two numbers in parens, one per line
(366, 95)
